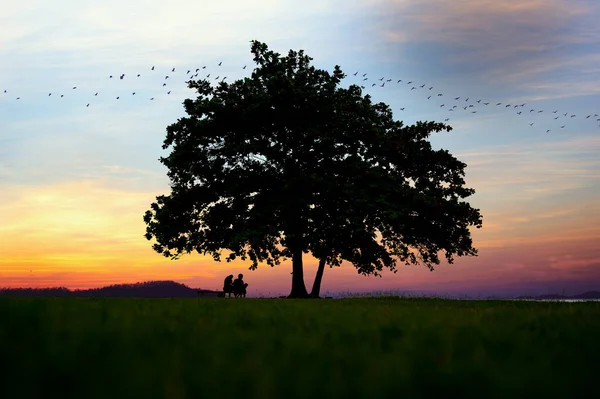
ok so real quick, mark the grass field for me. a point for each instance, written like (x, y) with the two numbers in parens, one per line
(265, 348)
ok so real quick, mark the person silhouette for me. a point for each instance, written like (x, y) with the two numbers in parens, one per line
(228, 285)
(238, 286)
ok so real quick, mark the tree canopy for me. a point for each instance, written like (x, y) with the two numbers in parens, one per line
(287, 162)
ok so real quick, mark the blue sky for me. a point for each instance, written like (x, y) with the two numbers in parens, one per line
(77, 174)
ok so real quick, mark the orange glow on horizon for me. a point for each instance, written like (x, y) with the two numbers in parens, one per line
(85, 235)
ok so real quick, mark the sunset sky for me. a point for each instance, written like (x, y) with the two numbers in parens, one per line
(76, 180)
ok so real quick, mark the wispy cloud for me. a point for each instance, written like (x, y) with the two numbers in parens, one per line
(501, 42)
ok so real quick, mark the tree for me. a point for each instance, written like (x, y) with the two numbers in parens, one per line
(287, 162)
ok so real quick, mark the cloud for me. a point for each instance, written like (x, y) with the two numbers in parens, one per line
(573, 263)
(498, 42)
(172, 33)
(534, 170)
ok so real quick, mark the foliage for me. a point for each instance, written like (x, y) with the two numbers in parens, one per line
(287, 162)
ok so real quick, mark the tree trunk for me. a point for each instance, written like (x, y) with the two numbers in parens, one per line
(316, 289)
(298, 287)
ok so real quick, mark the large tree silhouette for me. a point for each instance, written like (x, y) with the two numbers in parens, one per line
(287, 162)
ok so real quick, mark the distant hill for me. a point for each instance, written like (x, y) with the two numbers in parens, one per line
(172, 289)
(148, 289)
(585, 295)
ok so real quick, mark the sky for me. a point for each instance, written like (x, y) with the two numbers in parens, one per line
(76, 179)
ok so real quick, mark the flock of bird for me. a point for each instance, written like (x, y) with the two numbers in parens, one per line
(452, 104)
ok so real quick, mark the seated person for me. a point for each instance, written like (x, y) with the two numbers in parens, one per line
(228, 285)
(238, 286)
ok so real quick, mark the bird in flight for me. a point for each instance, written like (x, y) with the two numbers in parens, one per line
(364, 75)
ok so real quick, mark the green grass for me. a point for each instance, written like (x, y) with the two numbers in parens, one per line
(264, 348)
